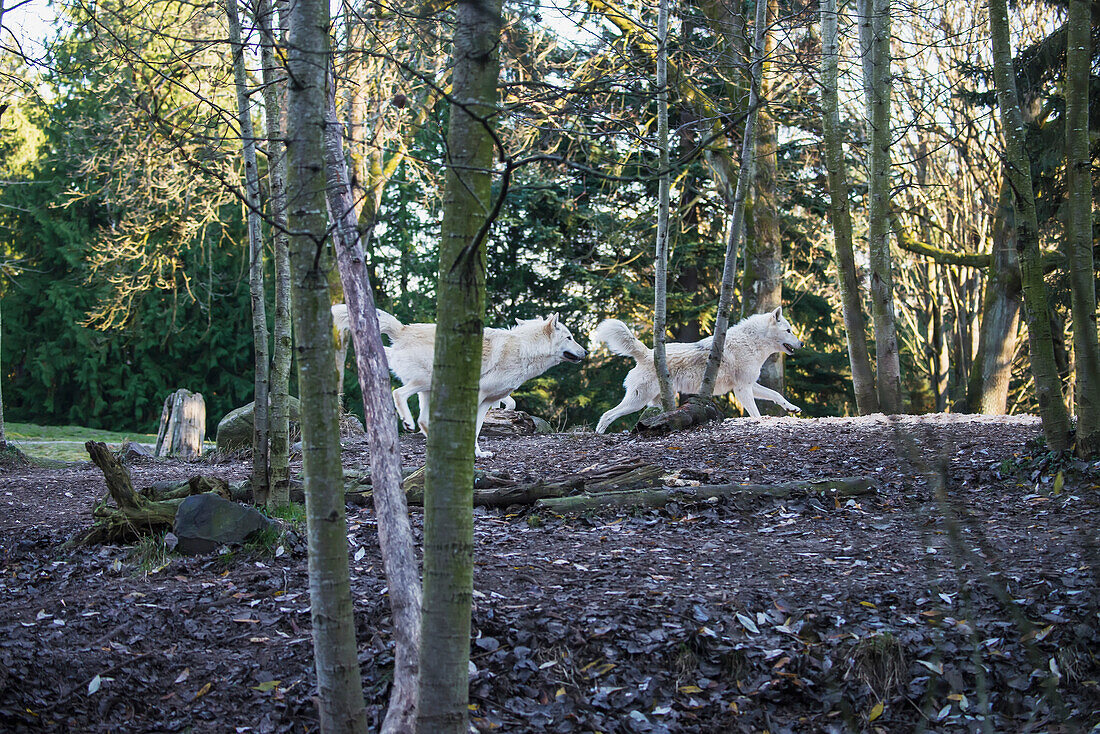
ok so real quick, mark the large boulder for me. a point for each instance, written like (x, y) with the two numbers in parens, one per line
(235, 429)
(206, 521)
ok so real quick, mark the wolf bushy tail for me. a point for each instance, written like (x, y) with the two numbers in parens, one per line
(620, 340)
(387, 324)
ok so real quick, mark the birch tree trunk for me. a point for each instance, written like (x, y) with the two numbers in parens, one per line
(261, 427)
(991, 373)
(274, 97)
(737, 224)
(448, 474)
(877, 52)
(660, 275)
(338, 680)
(1079, 228)
(394, 532)
(1048, 388)
(855, 325)
(767, 251)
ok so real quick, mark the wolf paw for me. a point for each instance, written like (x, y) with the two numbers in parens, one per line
(481, 454)
(793, 409)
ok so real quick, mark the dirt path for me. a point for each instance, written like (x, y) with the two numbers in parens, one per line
(803, 615)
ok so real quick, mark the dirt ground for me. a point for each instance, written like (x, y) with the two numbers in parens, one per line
(889, 612)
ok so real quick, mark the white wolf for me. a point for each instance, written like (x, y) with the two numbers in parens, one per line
(509, 357)
(748, 345)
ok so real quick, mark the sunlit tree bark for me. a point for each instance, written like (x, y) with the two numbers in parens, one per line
(274, 96)
(1048, 388)
(260, 426)
(660, 274)
(855, 326)
(448, 475)
(1079, 228)
(340, 694)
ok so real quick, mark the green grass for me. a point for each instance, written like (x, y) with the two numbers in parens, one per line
(66, 443)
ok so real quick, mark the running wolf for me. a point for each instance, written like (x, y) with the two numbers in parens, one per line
(748, 345)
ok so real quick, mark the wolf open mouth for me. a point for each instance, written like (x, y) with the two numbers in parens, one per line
(570, 357)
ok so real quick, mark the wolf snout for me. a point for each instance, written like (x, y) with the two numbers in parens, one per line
(573, 355)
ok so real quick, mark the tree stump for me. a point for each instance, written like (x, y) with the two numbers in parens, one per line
(182, 425)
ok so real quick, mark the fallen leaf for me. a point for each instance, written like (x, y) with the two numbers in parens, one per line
(875, 712)
(266, 686)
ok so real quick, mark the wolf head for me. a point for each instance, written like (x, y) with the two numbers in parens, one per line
(561, 340)
(779, 329)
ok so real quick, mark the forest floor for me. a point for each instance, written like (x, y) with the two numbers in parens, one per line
(889, 612)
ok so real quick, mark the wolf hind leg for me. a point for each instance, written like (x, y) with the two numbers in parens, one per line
(482, 409)
(632, 402)
(766, 393)
(401, 397)
(425, 410)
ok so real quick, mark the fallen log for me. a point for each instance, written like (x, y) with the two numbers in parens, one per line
(694, 410)
(491, 490)
(658, 497)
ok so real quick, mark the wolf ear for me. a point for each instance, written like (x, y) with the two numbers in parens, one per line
(519, 320)
(778, 313)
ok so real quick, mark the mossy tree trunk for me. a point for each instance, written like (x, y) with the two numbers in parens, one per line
(274, 99)
(737, 223)
(855, 324)
(260, 425)
(340, 696)
(1078, 241)
(660, 270)
(875, 40)
(1048, 386)
(449, 470)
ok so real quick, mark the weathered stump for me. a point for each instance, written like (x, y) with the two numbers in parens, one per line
(182, 425)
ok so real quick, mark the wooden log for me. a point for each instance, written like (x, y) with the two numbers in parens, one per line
(694, 410)
(659, 497)
(492, 490)
(182, 425)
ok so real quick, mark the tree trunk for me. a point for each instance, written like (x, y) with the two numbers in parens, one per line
(340, 704)
(737, 225)
(855, 326)
(1079, 229)
(3, 435)
(766, 293)
(878, 234)
(182, 425)
(448, 509)
(260, 427)
(1052, 408)
(391, 511)
(660, 275)
(274, 98)
(991, 373)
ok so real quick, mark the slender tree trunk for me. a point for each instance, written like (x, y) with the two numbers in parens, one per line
(990, 375)
(877, 52)
(767, 253)
(855, 325)
(448, 474)
(660, 275)
(3, 434)
(737, 225)
(274, 85)
(1079, 228)
(261, 427)
(1048, 388)
(394, 532)
(338, 680)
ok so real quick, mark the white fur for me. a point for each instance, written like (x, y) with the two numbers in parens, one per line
(509, 357)
(748, 345)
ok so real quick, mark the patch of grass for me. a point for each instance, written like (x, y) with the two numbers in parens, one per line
(293, 513)
(150, 554)
(46, 444)
(265, 542)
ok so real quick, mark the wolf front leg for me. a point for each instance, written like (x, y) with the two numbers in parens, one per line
(744, 395)
(401, 397)
(766, 393)
(482, 409)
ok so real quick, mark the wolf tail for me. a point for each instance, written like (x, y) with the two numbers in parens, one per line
(620, 340)
(388, 324)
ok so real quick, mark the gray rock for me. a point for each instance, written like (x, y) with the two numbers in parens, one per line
(542, 428)
(235, 429)
(206, 521)
(131, 450)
